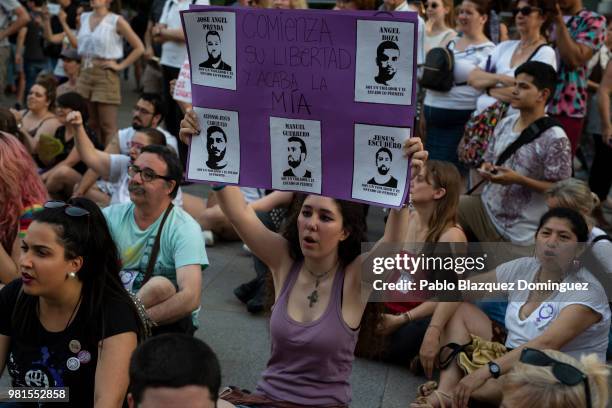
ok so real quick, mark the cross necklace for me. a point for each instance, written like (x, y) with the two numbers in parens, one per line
(314, 295)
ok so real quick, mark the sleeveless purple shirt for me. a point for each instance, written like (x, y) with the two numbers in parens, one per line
(310, 363)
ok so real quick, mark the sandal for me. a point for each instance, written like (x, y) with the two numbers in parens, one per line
(422, 402)
(426, 389)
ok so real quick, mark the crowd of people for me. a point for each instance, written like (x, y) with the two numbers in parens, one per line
(102, 252)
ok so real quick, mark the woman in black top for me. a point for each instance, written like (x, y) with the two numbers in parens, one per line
(68, 322)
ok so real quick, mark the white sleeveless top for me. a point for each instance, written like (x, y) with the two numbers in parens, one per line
(103, 42)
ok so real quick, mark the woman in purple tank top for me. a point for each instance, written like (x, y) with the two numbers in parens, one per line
(320, 298)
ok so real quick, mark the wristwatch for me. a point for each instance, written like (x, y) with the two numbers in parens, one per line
(494, 369)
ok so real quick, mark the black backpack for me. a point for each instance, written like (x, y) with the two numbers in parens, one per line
(438, 69)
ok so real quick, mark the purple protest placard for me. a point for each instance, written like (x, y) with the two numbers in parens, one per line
(303, 100)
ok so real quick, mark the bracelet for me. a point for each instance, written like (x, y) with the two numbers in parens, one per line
(218, 188)
(435, 326)
(408, 315)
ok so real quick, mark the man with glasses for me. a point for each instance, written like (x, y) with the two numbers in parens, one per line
(148, 113)
(113, 168)
(159, 241)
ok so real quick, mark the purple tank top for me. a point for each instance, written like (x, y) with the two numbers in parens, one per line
(310, 363)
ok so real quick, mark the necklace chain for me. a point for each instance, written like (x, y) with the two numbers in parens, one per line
(314, 295)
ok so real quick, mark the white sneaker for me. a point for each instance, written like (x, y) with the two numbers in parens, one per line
(209, 237)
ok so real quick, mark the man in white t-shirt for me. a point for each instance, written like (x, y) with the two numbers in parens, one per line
(169, 33)
(8, 27)
(148, 113)
(513, 201)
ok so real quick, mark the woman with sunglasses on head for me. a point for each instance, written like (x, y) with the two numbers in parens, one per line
(572, 320)
(319, 290)
(440, 20)
(495, 76)
(68, 322)
(56, 155)
(550, 378)
(21, 194)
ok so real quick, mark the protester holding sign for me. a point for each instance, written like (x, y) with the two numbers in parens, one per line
(316, 267)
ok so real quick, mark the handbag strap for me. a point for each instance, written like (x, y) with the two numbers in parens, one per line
(155, 250)
(528, 135)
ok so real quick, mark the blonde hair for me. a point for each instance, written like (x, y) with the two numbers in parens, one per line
(449, 18)
(576, 195)
(529, 386)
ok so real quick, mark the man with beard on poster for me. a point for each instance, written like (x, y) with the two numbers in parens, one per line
(387, 56)
(216, 145)
(296, 159)
(213, 47)
(383, 163)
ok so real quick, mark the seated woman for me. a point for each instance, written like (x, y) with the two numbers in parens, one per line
(320, 298)
(38, 119)
(434, 194)
(21, 194)
(575, 322)
(550, 378)
(68, 322)
(576, 194)
(57, 155)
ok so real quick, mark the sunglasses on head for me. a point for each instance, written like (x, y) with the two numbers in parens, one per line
(527, 10)
(69, 209)
(566, 374)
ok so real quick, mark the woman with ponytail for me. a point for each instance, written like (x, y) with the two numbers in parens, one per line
(68, 322)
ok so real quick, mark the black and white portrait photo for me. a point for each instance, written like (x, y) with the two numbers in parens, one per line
(296, 158)
(384, 158)
(216, 145)
(295, 154)
(380, 171)
(387, 59)
(214, 50)
(211, 42)
(214, 155)
(385, 64)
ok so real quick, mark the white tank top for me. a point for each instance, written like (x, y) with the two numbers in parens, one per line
(103, 42)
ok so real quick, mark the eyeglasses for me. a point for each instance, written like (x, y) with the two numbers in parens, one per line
(431, 5)
(565, 373)
(69, 209)
(142, 110)
(527, 10)
(146, 174)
